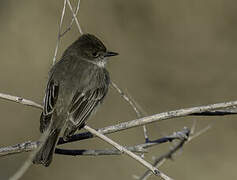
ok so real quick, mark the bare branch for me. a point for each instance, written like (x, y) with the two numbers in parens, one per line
(19, 148)
(20, 100)
(140, 148)
(220, 112)
(160, 160)
(198, 111)
(70, 26)
(59, 32)
(126, 98)
(82, 152)
(150, 119)
(129, 153)
(30, 146)
(138, 110)
(75, 17)
(137, 122)
(199, 133)
(193, 128)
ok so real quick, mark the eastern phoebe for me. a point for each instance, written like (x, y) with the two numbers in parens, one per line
(77, 84)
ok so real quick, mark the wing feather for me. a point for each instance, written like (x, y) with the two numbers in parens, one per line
(51, 96)
(82, 106)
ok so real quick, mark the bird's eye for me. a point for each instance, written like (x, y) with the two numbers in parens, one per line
(95, 54)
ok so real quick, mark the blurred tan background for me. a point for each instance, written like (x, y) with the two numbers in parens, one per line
(173, 54)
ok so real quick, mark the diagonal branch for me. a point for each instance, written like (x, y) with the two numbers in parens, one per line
(168, 155)
(162, 158)
(139, 112)
(75, 17)
(129, 153)
(70, 26)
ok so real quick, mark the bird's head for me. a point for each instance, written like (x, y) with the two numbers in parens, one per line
(92, 49)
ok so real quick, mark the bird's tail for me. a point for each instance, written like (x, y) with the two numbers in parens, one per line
(45, 155)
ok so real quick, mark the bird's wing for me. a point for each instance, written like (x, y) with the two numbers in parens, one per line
(50, 100)
(82, 105)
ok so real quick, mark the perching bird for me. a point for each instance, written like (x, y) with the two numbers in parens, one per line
(77, 84)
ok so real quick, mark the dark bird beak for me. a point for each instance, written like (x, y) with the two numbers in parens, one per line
(109, 53)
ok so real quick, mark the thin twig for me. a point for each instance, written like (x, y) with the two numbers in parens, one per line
(75, 17)
(138, 110)
(161, 160)
(193, 127)
(129, 153)
(60, 35)
(199, 133)
(59, 32)
(70, 26)
(20, 100)
(126, 98)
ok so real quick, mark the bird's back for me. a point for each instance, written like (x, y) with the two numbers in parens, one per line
(77, 76)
